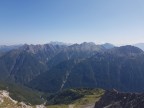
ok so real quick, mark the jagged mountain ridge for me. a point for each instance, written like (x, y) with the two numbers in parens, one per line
(52, 68)
(125, 50)
(115, 68)
(76, 51)
(23, 64)
(27, 62)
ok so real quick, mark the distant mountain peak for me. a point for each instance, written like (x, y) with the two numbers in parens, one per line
(5, 48)
(87, 46)
(140, 45)
(126, 50)
(108, 45)
(59, 43)
(44, 47)
(88, 43)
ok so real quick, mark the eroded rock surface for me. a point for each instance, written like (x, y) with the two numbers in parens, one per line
(115, 99)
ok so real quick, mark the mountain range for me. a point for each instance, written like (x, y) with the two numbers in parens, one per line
(56, 66)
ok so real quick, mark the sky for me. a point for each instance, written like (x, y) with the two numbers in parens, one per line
(71, 21)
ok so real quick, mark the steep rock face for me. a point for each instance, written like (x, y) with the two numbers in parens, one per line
(115, 99)
(20, 66)
(76, 51)
(43, 52)
(54, 79)
(55, 67)
(27, 62)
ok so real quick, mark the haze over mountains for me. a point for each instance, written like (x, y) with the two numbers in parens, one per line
(53, 67)
(53, 54)
(140, 45)
(56, 67)
(106, 45)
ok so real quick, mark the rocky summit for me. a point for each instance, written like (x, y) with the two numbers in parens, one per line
(115, 99)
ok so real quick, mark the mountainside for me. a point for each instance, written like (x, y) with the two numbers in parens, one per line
(120, 68)
(76, 51)
(7, 102)
(127, 50)
(43, 52)
(79, 96)
(72, 98)
(140, 45)
(21, 93)
(52, 68)
(115, 99)
(27, 62)
(20, 66)
(5, 48)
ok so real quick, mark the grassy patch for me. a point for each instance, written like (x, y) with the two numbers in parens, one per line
(21, 93)
(87, 96)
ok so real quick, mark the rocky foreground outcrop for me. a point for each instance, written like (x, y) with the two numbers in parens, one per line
(115, 99)
(7, 102)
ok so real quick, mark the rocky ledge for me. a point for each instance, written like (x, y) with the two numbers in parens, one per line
(115, 99)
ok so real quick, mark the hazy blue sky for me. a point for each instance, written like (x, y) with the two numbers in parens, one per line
(100, 21)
